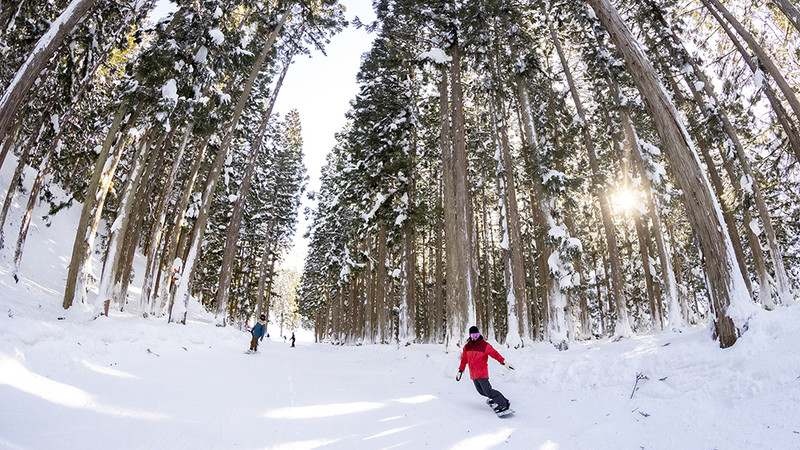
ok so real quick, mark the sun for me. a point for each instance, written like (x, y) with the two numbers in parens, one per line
(626, 200)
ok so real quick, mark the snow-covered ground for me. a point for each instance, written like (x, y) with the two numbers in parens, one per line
(68, 381)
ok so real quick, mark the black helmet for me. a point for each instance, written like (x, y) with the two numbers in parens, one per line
(263, 317)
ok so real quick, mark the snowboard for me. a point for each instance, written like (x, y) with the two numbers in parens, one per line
(250, 352)
(505, 413)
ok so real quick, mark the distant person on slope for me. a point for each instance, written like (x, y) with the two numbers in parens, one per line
(292, 339)
(476, 353)
(258, 332)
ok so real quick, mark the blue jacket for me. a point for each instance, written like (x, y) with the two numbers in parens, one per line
(259, 330)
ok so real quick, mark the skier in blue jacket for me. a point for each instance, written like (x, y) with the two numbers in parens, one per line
(258, 332)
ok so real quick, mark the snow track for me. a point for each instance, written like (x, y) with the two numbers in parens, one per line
(137, 383)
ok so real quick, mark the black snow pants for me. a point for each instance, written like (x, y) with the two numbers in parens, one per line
(485, 389)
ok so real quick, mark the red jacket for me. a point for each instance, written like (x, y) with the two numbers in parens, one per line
(476, 354)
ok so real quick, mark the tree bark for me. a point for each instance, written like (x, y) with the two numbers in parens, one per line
(725, 280)
(784, 286)
(790, 11)
(16, 180)
(763, 58)
(11, 139)
(45, 48)
(445, 185)
(408, 324)
(157, 229)
(105, 166)
(642, 232)
(785, 290)
(449, 223)
(780, 112)
(554, 301)
(623, 327)
(183, 288)
(483, 313)
(675, 315)
(235, 224)
(516, 299)
(263, 271)
(119, 227)
(381, 293)
(461, 273)
(719, 191)
(143, 194)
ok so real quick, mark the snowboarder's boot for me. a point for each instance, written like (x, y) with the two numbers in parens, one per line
(503, 411)
(499, 409)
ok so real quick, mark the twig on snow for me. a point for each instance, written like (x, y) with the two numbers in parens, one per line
(639, 376)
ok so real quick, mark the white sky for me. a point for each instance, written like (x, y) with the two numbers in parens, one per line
(320, 88)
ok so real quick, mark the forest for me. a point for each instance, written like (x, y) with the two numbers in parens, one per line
(559, 171)
(162, 131)
(548, 170)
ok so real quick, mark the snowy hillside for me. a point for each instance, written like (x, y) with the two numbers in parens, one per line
(68, 381)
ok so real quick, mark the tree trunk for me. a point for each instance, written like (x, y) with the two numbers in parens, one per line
(44, 168)
(267, 298)
(11, 139)
(16, 181)
(263, 272)
(37, 60)
(719, 190)
(44, 165)
(461, 273)
(765, 294)
(763, 58)
(124, 271)
(105, 166)
(372, 287)
(784, 286)
(118, 228)
(644, 250)
(156, 230)
(782, 115)
(516, 298)
(790, 11)
(438, 283)
(579, 307)
(642, 232)
(785, 291)
(174, 244)
(725, 281)
(676, 309)
(183, 289)
(554, 301)
(235, 224)
(381, 304)
(445, 186)
(488, 265)
(408, 323)
(623, 327)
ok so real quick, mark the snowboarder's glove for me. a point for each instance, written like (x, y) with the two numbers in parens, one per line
(458, 375)
(508, 366)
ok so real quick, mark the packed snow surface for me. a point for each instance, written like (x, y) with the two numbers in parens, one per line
(129, 382)
(69, 380)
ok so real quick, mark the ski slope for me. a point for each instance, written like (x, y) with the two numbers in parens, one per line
(128, 382)
(70, 381)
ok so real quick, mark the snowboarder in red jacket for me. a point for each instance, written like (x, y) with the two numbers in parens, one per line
(476, 354)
